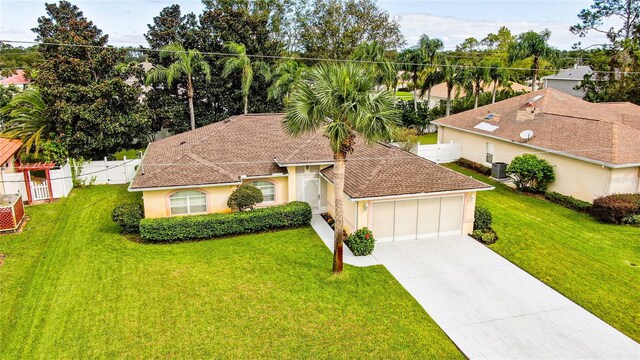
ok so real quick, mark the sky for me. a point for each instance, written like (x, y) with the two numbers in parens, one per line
(125, 21)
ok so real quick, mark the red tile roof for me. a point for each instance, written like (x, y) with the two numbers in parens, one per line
(606, 133)
(257, 145)
(8, 147)
(17, 79)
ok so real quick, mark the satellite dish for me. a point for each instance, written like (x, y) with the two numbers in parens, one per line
(526, 135)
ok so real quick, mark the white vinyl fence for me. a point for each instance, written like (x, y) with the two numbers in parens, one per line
(61, 184)
(440, 153)
(101, 172)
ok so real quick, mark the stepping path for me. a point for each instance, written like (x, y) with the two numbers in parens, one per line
(489, 307)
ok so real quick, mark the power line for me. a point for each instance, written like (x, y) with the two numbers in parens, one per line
(318, 59)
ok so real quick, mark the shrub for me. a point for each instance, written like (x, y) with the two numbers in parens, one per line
(486, 236)
(613, 208)
(482, 218)
(484, 170)
(293, 214)
(245, 197)
(568, 201)
(530, 173)
(631, 220)
(361, 242)
(128, 216)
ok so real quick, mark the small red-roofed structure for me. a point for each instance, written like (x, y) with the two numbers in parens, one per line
(41, 194)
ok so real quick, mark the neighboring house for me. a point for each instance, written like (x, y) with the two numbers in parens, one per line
(19, 80)
(397, 194)
(594, 148)
(8, 156)
(567, 79)
(439, 92)
(146, 66)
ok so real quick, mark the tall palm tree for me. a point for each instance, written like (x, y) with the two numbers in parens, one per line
(498, 75)
(412, 60)
(27, 120)
(535, 46)
(431, 48)
(240, 61)
(185, 63)
(286, 74)
(454, 75)
(385, 69)
(477, 75)
(341, 100)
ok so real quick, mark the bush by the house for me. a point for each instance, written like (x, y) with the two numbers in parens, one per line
(245, 197)
(486, 236)
(361, 242)
(465, 163)
(613, 208)
(291, 215)
(128, 216)
(568, 201)
(631, 220)
(530, 173)
(482, 218)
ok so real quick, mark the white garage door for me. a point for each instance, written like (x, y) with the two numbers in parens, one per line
(417, 219)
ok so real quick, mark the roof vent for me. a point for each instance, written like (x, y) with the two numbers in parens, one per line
(183, 142)
(534, 99)
(489, 116)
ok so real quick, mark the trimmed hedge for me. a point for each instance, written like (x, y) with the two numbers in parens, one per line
(465, 163)
(361, 242)
(568, 201)
(245, 197)
(291, 215)
(482, 218)
(128, 216)
(613, 208)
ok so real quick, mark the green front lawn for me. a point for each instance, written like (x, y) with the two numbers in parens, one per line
(72, 287)
(428, 139)
(588, 262)
(404, 95)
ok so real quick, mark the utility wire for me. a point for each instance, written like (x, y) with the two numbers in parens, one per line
(285, 57)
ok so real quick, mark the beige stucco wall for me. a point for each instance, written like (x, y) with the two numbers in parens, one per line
(156, 202)
(580, 179)
(625, 180)
(349, 209)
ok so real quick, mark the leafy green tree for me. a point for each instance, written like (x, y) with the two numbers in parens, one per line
(627, 12)
(185, 64)
(334, 28)
(27, 120)
(286, 74)
(530, 173)
(535, 46)
(6, 94)
(242, 63)
(500, 43)
(245, 197)
(341, 100)
(93, 110)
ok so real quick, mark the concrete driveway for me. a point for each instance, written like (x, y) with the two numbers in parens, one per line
(492, 309)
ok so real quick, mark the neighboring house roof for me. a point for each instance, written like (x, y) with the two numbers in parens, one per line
(8, 147)
(257, 145)
(17, 79)
(440, 90)
(603, 133)
(575, 73)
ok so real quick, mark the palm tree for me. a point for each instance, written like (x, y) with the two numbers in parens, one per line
(498, 75)
(27, 120)
(412, 60)
(477, 75)
(533, 45)
(185, 63)
(431, 48)
(240, 61)
(386, 70)
(454, 75)
(341, 100)
(286, 74)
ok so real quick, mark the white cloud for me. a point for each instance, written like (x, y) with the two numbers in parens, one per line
(453, 30)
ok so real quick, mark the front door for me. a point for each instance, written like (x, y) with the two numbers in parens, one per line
(312, 194)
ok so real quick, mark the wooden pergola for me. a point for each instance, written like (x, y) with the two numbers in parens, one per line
(27, 168)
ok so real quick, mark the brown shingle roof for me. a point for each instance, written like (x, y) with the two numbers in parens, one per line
(606, 133)
(8, 147)
(254, 145)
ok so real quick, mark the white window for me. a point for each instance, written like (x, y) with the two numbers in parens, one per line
(188, 202)
(268, 190)
(490, 151)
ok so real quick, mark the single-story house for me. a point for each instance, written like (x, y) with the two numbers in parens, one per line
(439, 92)
(594, 148)
(18, 79)
(567, 79)
(398, 195)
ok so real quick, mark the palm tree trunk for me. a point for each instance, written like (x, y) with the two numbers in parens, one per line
(534, 84)
(192, 115)
(246, 104)
(415, 100)
(495, 86)
(448, 102)
(338, 187)
(429, 97)
(477, 96)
